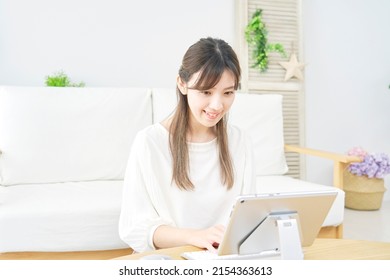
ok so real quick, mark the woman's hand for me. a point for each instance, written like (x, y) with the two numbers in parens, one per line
(209, 238)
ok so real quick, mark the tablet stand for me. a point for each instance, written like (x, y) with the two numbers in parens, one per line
(278, 232)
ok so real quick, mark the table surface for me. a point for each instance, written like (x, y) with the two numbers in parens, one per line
(322, 249)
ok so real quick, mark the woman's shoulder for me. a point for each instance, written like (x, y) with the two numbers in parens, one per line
(235, 131)
(237, 135)
(154, 132)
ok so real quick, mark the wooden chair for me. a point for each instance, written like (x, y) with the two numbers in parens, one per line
(340, 163)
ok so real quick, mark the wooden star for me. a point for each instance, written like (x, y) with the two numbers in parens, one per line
(293, 68)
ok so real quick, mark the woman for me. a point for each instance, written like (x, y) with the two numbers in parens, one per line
(183, 174)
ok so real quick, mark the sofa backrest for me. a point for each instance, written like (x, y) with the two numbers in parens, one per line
(164, 102)
(261, 115)
(51, 134)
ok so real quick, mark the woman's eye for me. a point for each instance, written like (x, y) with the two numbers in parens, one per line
(229, 92)
(205, 92)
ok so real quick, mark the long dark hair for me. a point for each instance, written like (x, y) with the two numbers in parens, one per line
(211, 57)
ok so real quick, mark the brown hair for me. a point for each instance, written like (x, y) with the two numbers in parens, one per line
(211, 57)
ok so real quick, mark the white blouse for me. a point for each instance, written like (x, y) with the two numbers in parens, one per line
(150, 199)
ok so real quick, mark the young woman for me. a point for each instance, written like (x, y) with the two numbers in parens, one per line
(183, 174)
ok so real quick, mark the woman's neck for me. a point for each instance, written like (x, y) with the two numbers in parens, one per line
(197, 134)
(201, 135)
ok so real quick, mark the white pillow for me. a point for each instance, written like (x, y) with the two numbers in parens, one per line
(51, 134)
(164, 103)
(261, 115)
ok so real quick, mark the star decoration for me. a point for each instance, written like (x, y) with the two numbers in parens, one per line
(293, 68)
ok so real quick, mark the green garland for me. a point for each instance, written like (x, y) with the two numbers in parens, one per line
(256, 35)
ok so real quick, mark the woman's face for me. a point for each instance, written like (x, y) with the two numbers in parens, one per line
(207, 107)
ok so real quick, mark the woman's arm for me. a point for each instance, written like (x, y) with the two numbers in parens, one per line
(138, 214)
(168, 236)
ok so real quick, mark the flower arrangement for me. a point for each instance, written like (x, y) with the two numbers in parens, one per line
(372, 165)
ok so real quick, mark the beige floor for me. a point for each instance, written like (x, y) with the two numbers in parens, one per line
(368, 225)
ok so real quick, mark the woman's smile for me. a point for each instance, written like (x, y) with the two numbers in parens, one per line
(212, 115)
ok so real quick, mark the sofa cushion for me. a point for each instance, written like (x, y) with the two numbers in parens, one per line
(51, 134)
(277, 184)
(61, 217)
(262, 117)
(164, 103)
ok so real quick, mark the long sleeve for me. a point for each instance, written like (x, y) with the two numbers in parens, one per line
(151, 199)
(138, 217)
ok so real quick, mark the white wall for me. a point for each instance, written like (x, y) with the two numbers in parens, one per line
(141, 43)
(105, 42)
(347, 51)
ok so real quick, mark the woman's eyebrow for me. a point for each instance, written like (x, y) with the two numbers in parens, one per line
(227, 88)
(231, 87)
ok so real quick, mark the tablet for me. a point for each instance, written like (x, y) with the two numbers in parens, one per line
(252, 227)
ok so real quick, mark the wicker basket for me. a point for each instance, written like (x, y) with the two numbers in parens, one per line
(363, 193)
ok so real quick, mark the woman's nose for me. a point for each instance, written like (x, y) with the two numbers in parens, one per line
(216, 103)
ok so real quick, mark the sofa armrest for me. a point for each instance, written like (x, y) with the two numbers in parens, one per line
(340, 162)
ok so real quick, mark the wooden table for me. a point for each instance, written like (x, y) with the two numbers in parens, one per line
(322, 249)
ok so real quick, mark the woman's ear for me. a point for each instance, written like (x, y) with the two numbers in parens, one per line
(181, 85)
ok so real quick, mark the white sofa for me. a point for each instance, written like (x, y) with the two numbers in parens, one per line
(63, 153)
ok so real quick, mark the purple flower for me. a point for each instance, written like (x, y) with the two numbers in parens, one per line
(357, 151)
(372, 165)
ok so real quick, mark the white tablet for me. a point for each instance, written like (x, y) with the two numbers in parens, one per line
(251, 230)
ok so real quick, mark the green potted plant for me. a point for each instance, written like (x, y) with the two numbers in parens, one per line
(60, 79)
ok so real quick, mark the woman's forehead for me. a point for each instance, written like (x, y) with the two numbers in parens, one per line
(226, 79)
